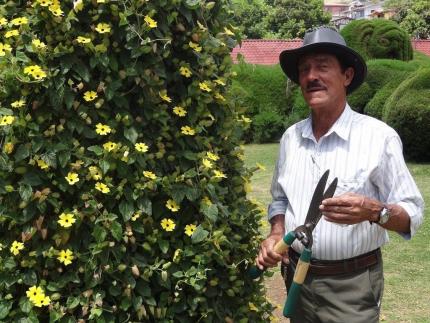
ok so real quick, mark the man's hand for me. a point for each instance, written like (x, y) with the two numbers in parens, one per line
(350, 208)
(268, 257)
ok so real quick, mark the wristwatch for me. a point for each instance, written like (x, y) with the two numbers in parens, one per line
(384, 215)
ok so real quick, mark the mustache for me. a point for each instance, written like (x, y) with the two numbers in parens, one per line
(314, 85)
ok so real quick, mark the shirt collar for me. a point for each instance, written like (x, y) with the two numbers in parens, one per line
(341, 127)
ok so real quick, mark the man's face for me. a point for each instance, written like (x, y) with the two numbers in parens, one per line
(322, 80)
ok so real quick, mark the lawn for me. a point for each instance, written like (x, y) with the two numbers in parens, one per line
(406, 263)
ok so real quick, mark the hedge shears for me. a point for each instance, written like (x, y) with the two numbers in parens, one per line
(303, 233)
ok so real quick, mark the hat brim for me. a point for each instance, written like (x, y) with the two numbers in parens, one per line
(289, 59)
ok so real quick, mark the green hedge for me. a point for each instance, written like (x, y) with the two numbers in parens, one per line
(378, 38)
(408, 111)
(122, 182)
(263, 91)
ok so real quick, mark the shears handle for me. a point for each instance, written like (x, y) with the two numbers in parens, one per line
(280, 247)
(298, 279)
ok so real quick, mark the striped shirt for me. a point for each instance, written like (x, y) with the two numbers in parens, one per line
(366, 156)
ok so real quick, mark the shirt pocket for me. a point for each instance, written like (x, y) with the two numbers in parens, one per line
(354, 185)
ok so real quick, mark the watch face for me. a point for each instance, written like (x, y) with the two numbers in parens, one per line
(385, 216)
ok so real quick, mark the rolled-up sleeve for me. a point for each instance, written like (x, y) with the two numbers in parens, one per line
(397, 185)
(279, 199)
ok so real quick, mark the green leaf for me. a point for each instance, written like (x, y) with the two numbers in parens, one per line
(82, 70)
(31, 179)
(164, 245)
(104, 166)
(22, 152)
(126, 209)
(25, 305)
(199, 235)
(192, 4)
(25, 191)
(144, 204)
(55, 316)
(116, 230)
(30, 278)
(99, 233)
(64, 158)
(210, 211)
(96, 149)
(5, 307)
(72, 302)
(131, 134)
(125, 303)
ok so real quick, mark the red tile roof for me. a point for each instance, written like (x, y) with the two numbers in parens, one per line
(266, 51)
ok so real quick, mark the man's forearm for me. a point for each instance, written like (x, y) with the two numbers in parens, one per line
(277, 225)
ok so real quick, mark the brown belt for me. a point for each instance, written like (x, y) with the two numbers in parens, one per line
(338, 267)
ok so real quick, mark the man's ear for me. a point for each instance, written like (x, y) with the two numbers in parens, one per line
(349, 75)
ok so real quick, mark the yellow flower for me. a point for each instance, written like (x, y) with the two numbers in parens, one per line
(39, 302)
(219, 82)
(185, 71)
(95, 173)
(56, 10)
(102, 129)
(4, 48)
(135, 216)
(90, 96)
(103, 28)
(168, 224)
(19, 21)
(172, 205)
(141, 147)
(38, 44)
(189, 229)
(16, 247)
(78, 5)
(164, 96)
(101, 1)
(8, 147)
(207, 163)
(252, 307)
(66, 220)
(42, 164)
(6, 120)
(219, 174)
(72, 178)
(186, 130)
(66, 257)
(102, 187)
(44, 3)
(18, 104)
(212, 156)
(228, 31)
(150, 22)
(31, 69)
(195, 46)
(38, 75)
(35, 292)
(83, 40)
(11, 33)
(149, 174)
(3, 21)
(180, 111)
(109, 146)
(204, 87)
(219, 96)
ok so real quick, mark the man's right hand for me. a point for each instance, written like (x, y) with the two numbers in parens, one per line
(268, 257)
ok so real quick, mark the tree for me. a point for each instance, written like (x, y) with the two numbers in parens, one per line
(413, 16)
(292, 18)
(251, 17)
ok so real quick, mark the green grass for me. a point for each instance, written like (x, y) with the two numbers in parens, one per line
(406, 263)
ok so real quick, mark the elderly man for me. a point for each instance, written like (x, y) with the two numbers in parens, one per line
(375, 192)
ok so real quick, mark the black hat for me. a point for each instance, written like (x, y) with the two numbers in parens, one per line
(324, 39)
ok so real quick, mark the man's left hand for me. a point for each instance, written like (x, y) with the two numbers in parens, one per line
(350, 208)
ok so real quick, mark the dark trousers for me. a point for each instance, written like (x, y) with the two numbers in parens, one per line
(345, 298)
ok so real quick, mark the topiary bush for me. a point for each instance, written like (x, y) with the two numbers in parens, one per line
(262, 90)
(378, 38)
(122, 183)
(408, 112)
